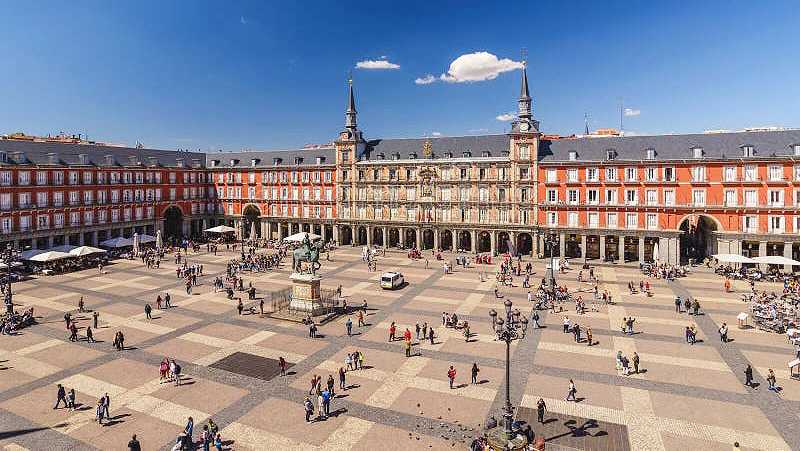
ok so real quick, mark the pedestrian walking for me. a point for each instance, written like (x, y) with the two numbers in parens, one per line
(475, 371)
(71, 399)
(451, 375)
(147, 311)
(240, 306)
(635, 361)
(571, 391)
(95, 316)
(134, 445)
(430, 335)
(772, 381)
(308, 406)
(349, 326)
(589, 336)
(748, 376)
(723, 333)
(342, 378)
(282, 364)
(541, 407)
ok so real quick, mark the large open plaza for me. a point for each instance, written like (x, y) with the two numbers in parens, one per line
(684, 396)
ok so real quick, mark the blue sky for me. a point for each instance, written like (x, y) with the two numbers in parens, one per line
(270, 75)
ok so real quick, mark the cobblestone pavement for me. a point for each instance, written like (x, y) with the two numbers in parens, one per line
(685, 396)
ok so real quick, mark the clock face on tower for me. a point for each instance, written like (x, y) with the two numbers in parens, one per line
(524, 126)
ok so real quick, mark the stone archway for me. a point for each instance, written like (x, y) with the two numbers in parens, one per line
(346, 237)
(251, 215)
(173, 222)
(484, 242)
(465, 241)
(427, 239)
(698, 238)
(411, 238)
(524, 243)
(377, 236)
(502, 242)
(361, 236)
(446, 240)
(394, 237)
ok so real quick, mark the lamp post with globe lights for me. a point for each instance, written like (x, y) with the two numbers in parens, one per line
(508, 329)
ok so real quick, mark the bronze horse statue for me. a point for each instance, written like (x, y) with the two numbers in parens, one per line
(307, 252)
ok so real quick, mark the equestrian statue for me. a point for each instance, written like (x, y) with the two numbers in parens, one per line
(307, 252)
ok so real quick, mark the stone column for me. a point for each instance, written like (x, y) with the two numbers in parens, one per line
(418, 240)
(539, 244)
(787, 252)
(402, 236)
(641, 249)
(621, 243)
(513, 237)
(50, 242)
(562, 244)
(493, 241)
(762, 248)
(436, 244)
(385, 237)
(454, 241)
(80, 239)
(602, 248)
(323, 233)
(94, 238)
(473, 242)
(583, 246)
(264, 229)
(369, 236)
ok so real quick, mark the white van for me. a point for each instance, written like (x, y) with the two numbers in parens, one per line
(391, 280)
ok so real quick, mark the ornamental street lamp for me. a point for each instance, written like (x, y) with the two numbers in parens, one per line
(509, 329)
(550, 240)
(8, 257)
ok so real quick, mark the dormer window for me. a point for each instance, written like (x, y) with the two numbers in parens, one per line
(486, 154)
(320, 160)
(396, 156)
(611, 154)
(504, 153)
(233, 162)
(132, 160)
(83, 159)
(179, 162)
(697, 152)
(277, 161)
(650, 154)
(152, 161)
(381, 156)
(52, 158)
(573, 155)
(254, 162)
(3, 157)
(412, 156)
(298, 160)
(796, 148)
(466, 154)
(214, 163)
(748, 151)
(448, 155)
(109, 160)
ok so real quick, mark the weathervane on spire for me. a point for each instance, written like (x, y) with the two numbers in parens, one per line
(524, 53)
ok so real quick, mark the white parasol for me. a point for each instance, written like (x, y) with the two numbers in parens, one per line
(299, 237)
(159, 241)
(145, 238)
(63, 248)
(49, 256)
(655, 252)
(220, 229)
(253, 230)
(775, 260)
(733, 258)
(83, 251)
(117, 242)
(26, 255)
(136, 243)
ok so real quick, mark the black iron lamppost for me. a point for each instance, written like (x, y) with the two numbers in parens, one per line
(509, 329)
(550, 241)
(8, 257)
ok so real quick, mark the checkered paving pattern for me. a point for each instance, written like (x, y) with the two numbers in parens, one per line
(685, 396)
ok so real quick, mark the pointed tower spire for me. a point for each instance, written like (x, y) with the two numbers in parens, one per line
(524, 102)
(586, 124)
(350, 114)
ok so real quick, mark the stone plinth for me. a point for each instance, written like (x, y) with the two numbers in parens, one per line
(305, 294)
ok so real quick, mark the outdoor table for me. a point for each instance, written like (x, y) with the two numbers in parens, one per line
(792, 365)
(741, 318)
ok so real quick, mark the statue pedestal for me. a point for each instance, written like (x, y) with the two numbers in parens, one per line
(306, 296)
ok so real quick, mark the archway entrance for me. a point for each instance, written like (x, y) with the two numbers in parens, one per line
(347, 235)
(362, 236)
(427, 239)
(464, 241)
(524, 243)
(394, 237)
(502, 243)
(411, 238)
(251, 216)
(173, 223)
(484, 242)
(446, 240)
(377, 236)
(698, 240)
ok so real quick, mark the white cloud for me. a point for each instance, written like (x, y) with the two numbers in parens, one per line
(478, 130)
(478, 66)
(505, 117)
(376, 64)
(243, 20)
(632, 112)
(426, 80)
(436, 134)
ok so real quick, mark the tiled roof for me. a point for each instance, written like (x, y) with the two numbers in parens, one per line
(496, 145)
(715, 146)
(43, 153)
(266, 158)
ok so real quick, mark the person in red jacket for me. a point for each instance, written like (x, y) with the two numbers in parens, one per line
(451, 375)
